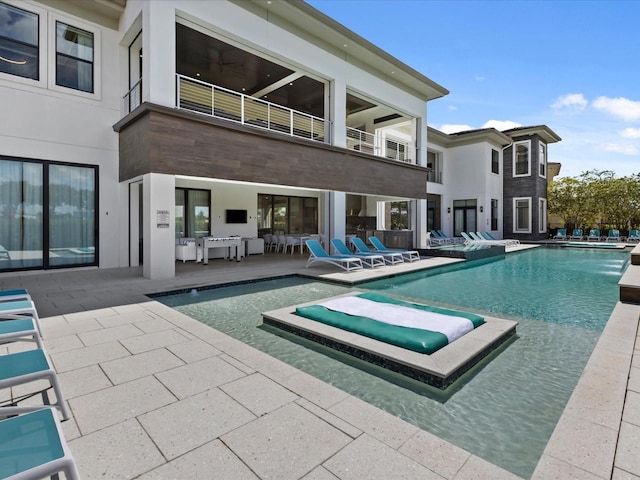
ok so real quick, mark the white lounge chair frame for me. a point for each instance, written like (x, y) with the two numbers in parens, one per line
(317, 254)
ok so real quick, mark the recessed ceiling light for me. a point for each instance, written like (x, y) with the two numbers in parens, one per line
(197, 74)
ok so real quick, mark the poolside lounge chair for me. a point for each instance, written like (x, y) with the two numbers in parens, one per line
(25, 367)
(32, 446)
(561, 234)
(594, 235)
(24, 329)
(613, 235)
(450, 239)
(577, 234)
(407, 255)
(17, 309)
(437, 240)
(17, 294)
(634, 236)
(368, 259)
(319, 254)
(507, 242)
(389, 257)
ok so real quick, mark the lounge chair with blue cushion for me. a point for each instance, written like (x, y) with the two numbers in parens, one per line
(17, 309)
(32, 446)
(450, 239)
(577, 234)
(391, 258)
(634, 236)
(594, 235)
(320, 255)
(613, 235)
(17, 294)
(507, 242)
(368, 259)
(561, 234)
(407, 255)
(26, 367)
(23, 329)
(437, 240)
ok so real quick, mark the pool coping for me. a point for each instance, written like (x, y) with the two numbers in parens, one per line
(440, 369)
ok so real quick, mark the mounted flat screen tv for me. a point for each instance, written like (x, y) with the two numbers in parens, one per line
(235, 216)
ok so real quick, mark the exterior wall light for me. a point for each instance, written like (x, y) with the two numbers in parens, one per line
(481, 209)
(448, 209)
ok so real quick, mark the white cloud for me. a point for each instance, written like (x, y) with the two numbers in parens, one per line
(573, 101)
(619, 148)
(455, 128)
(620, 107)
(480, 78)
(501, 125)
(452, 108)
(630, 133)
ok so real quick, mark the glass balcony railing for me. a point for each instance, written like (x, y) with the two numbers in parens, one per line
(208, 99)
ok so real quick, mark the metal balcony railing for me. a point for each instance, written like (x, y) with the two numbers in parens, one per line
(376, 145)
(215, 101)
(132, 98)
(434, 176)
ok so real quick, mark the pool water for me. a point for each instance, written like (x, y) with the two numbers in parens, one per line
(506, 410)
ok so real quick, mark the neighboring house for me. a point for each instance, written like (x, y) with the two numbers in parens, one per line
(487, 180)
(127, 124)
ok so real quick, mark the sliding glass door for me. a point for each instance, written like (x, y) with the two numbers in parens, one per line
(48, 214)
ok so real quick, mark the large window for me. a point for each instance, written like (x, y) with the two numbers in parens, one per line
(19, 43)
(47, 214)
(522, 214)
(495, 161)
(521, 160)
(400, 215)
(542, 215)
(542, 160)
(74, 57)
(280, 214)
(193, 213)
(494, 214)
(434, 163)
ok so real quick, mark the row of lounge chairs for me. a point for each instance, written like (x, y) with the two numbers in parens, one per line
(32, 443)
(613, 235)
(362, 257)
(477, 238)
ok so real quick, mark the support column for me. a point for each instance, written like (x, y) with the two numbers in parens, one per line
(336, 207)
(420, 228)
(338, 110)
(158, 53)
(158, 224)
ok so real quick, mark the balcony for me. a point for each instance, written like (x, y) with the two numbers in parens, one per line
(434, 176)
(377, 145)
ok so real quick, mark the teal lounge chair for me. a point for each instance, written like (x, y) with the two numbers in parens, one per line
(437, 240)
(18, 309)
(25, 367)
(15, 330)
(507, 242)
(390, 258)
(368, 259)
(613, 235)
(407, 255)
(577, 234)
(317, 254)
(18, 294)
(32, 446)
(561, 234)
(594, 235)
(450, 239)
(634, 236)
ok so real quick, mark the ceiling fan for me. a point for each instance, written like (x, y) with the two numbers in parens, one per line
(220, 62)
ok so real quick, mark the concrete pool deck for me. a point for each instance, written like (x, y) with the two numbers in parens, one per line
(156, 394)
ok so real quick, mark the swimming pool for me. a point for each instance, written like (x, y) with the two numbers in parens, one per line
(508, 410)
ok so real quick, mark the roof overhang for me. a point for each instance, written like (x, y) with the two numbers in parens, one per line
(299, 17)
(544, 132)
(489, 135)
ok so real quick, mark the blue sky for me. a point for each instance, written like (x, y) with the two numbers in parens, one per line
(572, 65)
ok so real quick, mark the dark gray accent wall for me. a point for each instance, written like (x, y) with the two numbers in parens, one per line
(164, 140)
(532, 186)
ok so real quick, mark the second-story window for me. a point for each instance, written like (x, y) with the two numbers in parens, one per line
(433, 162)
(521, 160)
(542, 158)
(19, 42)
(74, 57)
(495, 161)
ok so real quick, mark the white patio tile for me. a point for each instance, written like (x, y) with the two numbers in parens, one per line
(367, 457)
(85, 380)
(115, 404)
(628, 452)
(314, 389)
(258, 394)
(62, 344)
(286, 443)
(193, 351)
(436, 454)
(331, 419)
(126, 318)
(129, 368)
(69, 328)
(377, 423)
(622, 475)
(550, 468)
(151, 341)
(154, 325)
(478, 469)
(120, 451)
(83, 357)
(320, 473)
(90, 314)
(197, 377)
(111, 334)
(190, 423)
(212, 460)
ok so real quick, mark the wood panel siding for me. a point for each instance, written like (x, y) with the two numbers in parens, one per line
(163, 140)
